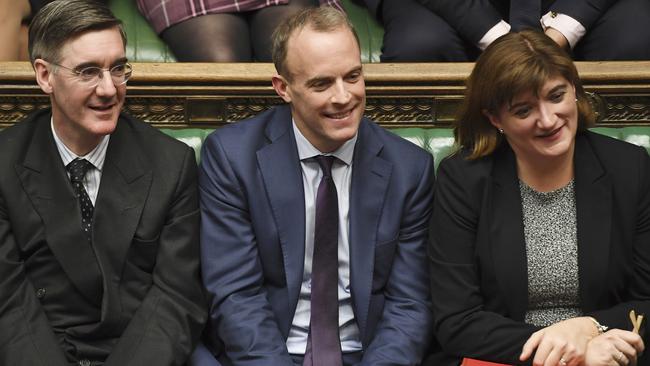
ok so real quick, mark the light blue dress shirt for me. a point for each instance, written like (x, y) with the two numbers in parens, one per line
(311, 176)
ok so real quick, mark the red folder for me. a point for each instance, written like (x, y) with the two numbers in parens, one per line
(473, 362)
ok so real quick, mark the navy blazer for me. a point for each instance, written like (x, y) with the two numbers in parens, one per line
(473, 18)
(478, 252)
(134, 296)
(253, 232)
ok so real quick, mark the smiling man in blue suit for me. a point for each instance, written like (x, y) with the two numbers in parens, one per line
(314, 219)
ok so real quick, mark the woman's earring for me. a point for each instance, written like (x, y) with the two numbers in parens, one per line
(576, 100)
(500, 130)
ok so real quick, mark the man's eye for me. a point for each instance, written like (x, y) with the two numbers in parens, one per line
(353, 77)
(118, 69)
(89, 72)
(319, 86)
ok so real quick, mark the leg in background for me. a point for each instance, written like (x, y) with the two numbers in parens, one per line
(413, 33)
(12, 14)
(210, 38)
(622, 33)
(264, 22)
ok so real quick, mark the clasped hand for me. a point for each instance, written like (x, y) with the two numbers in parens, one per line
(576, 342)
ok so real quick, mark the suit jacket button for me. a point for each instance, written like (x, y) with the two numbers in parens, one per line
(40, 293)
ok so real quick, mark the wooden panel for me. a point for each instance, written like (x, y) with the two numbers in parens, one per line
(180, 95)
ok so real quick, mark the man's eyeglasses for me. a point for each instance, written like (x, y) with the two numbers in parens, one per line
(90, 76)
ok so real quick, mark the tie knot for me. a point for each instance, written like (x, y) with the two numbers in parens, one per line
(325, 162)
(78, 168)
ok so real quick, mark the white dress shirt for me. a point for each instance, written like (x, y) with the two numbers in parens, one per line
(96, 157)
(570, 28)
(311, 176)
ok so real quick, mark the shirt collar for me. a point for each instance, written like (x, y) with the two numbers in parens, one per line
(96, 156)
(306, 150)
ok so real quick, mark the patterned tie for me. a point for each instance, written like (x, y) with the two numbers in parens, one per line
(323, 344)
(525, 14)
(77, 169)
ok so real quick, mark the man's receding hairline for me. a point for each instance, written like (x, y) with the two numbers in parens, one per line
(78, 35)
(309, 26)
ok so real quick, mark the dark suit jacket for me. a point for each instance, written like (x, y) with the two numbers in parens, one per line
(134, 297)
(473, 18)
(373, 5)
(253, 232)
(478, 258)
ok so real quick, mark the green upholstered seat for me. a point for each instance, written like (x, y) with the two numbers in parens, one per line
(438, 141)
(635, 135)
(370, 32)
(144, 45)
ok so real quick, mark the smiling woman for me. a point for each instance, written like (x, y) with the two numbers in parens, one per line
(539, 226)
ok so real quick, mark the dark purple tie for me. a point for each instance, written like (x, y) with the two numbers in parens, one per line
(78, 168)
(525, 14)
(323, 345)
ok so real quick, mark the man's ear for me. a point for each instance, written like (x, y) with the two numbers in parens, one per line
(281, 86)
(43, 75)
(494, 120)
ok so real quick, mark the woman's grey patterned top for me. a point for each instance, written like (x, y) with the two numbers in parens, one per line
(550, 232)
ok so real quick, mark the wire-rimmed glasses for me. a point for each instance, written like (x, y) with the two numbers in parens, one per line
(90, 76)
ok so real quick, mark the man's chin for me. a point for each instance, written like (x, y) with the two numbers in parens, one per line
(101, 126)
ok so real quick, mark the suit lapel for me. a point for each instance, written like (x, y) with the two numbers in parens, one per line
(370, 177)
(45, 181)
(280, 167)
(506, 234)
(594, 218)
(593, 209)
(123, 191)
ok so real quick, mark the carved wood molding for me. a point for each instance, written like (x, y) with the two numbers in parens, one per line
(179, 95)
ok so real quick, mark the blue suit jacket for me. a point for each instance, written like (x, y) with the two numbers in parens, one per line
(253, 231)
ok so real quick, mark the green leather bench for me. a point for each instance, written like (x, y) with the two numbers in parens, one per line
(144, 45)
(438, 141)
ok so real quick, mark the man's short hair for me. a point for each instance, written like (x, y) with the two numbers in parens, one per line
(320, 19)
(62, 20)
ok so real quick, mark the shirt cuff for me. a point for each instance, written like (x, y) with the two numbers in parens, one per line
(495, 32)
(570, 28)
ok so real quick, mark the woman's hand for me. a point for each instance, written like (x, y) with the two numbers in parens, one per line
(563, 343)
(614, 347)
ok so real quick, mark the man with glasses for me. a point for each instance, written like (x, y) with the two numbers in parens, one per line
(99, 213)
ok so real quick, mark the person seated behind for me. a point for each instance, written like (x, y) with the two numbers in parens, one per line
(14, 19)
(457, 30)
(539, 247)
(99, 216)
(13, 33)
(221, 30)
(314, 219)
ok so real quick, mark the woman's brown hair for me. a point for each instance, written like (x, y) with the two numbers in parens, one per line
(513, 64)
